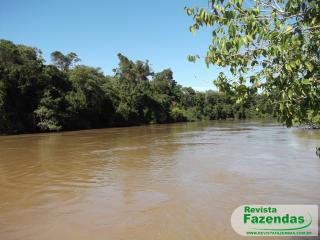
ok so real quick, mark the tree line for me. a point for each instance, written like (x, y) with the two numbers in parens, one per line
(65, 95)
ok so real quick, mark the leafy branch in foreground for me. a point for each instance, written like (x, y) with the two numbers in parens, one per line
(270, 46)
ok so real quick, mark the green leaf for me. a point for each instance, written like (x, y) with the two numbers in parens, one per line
(309, 66)
(306, 81)
(288, 29)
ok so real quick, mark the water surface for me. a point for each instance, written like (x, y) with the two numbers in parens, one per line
(175, 181)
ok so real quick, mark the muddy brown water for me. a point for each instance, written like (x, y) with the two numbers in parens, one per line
(174, 181)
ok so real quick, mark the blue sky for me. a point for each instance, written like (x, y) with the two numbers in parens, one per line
(99, 29)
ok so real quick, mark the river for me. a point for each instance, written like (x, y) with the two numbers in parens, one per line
(169, 182)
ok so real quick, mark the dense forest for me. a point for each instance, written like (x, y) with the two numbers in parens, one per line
(65, 95)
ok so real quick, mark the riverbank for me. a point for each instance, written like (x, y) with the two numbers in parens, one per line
(265, 119)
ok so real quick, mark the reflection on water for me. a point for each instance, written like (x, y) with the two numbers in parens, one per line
(177, 181)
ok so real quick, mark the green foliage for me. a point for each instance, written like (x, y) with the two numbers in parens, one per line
(36, 97)
(178, 115)
(88, 104)
(268, 45)
(21, 83)
(48, 111)
(64, 62)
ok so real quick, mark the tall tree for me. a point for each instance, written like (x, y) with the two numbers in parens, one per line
(21, 83)
(51, 113)
(132, 86)
(88, 104)
(64, 62)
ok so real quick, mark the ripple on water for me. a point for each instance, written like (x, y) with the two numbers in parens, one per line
(119, 149)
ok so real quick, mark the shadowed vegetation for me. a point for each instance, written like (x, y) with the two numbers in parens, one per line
(64, 95)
